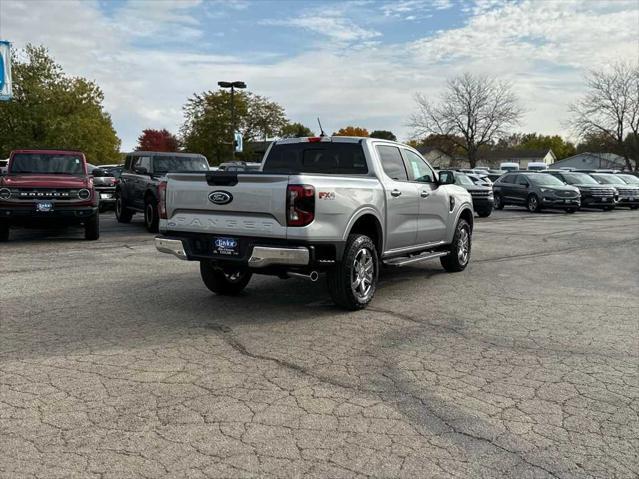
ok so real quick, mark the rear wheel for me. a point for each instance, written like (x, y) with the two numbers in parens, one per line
(92, 228)
(151, 216)
(122, 213)
(533, 204)
(224, 281)
(4, 231)
(459, 255)
(352, 282)
(499, 202)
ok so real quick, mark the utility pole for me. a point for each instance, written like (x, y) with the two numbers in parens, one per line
(232, 85)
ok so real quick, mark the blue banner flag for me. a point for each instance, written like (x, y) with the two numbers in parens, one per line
(6, 91)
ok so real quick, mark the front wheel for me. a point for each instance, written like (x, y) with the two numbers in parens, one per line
(122, 213)
(608, 208)
(571, 210)
(484, 213)
(499, 202)
(224, 281)
(533, 203)
(4, 231)
(459, 255)
(92, 228)
(352, 282)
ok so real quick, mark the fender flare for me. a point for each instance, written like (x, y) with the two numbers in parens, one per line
(365, 210)
(464, 206)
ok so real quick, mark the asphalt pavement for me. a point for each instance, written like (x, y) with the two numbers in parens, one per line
(116, 361)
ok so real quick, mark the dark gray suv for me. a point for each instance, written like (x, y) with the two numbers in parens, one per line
(593, 195)
(535, 190)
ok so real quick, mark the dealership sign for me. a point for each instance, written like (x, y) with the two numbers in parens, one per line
(5, 71)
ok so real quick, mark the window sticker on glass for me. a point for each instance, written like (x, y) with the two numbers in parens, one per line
(416, 172)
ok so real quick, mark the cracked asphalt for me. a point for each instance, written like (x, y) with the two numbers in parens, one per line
(115, 361)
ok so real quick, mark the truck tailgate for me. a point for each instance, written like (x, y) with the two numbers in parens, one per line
(257, 205)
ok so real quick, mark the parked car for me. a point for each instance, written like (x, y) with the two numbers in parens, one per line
(340, 205)
(509, 166)
(480, 179)
(3, 166)
(137, 188)
(104, 184)
(536, 191)
(239, 166)
(537, 166)
(593, 194)
(628, 193)
(494, 175)
(48, 188)
(482, 194)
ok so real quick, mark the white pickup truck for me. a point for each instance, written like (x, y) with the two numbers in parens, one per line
(336, 205)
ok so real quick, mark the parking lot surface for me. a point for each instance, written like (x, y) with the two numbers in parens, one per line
(116, 361)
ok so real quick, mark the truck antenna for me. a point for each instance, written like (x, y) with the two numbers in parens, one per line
(321, 129)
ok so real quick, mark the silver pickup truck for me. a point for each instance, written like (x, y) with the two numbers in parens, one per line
(337, 205)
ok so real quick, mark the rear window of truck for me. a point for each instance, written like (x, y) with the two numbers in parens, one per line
(321, 157)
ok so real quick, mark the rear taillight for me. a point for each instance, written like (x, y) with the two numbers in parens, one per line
(300, 205)
(162, 200)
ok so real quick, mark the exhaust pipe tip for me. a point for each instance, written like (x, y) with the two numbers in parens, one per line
(314, 276)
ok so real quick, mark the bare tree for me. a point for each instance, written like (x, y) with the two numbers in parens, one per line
(610, 109)
(472, 112)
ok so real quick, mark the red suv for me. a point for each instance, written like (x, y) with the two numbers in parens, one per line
(48, 188)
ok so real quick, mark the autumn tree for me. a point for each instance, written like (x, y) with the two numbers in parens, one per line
(157, 140)
(384, 135)
(473, 111)
(535, 141)
(296, 130)
(52, 110)
(207, 123)
(351, 131)
(610, 108)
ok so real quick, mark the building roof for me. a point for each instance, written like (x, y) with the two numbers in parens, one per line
(605, 160)
(511, 153)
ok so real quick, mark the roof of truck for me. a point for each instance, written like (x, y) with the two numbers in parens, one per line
(50, 152)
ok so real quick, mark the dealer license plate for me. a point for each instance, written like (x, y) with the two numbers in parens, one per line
(105, 196)
(226, 246)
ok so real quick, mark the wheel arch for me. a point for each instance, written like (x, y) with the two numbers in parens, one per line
(367, 221)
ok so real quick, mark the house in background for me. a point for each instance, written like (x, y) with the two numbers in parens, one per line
(439, 159)
(589, 160)
(521, 157)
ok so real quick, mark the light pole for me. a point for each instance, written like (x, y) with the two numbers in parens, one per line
(232, 85)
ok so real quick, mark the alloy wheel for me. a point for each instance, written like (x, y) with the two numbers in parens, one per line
(362, 274)
(463, 246)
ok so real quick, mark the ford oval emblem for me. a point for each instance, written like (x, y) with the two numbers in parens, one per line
(220, 197)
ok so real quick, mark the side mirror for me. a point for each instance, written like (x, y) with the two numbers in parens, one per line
(140, 170)
(446, 177)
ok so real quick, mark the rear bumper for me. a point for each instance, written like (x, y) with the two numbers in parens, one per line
(256, 253)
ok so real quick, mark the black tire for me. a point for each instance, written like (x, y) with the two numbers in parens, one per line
(533, 204)
(353, 281)
(571, 210)
(219, 281)
(92, 228)
(151, 215)
(499, 202)
(608, 208)
(634, 207)
(4, 231)
(122, 213)
(102, 208)
(460, 249)
(484, 213)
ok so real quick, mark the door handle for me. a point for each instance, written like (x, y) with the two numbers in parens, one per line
(396, 193)
(425, 194)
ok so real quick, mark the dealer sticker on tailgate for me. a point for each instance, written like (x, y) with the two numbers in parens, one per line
(226, 246)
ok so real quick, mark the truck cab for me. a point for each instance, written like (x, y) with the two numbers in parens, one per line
(48, 188)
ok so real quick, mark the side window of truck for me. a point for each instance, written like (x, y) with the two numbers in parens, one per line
(418, 169)
(392, 162)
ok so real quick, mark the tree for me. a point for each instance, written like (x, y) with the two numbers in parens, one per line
(157, 140)
(473, 111)
(384, 135)
(351, 131)
(207, 123)
(534, 141)
(52, 110)
(610, 108)
(296, 130)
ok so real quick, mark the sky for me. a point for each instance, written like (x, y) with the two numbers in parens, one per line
(350, 62)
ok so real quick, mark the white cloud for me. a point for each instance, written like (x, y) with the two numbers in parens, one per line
(543, 48)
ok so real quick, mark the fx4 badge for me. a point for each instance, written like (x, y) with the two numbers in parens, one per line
(220, 197)
(326, 195)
